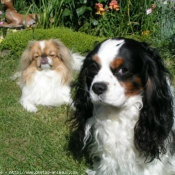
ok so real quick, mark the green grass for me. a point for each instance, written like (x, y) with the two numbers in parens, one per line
(42, 141)
(33, 141)
(39, 141)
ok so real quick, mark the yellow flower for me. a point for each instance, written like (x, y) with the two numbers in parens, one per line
(145, 33)
(14, 31)
(1, 38)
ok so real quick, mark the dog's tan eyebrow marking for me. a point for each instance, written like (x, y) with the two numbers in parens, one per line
(96, 59)
(117, 63)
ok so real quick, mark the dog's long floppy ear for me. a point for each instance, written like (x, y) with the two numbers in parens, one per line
(81, 101)
(156, 117)
(64, 54)
(25, 57)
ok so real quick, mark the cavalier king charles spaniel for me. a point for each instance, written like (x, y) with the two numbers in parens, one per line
(46, 69)
(124, 109)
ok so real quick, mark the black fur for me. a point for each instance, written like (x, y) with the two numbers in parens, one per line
(156, 117)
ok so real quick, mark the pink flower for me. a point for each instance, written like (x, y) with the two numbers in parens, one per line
(0, 12)
(114, 5)
(1, 22)
(99, 8)
(148, 11)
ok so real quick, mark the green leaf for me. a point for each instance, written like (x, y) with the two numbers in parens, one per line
(80, 11)
(67, 12)
(100, 1)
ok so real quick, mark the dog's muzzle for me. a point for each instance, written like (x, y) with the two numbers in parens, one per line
(99, 88)
(44, 59)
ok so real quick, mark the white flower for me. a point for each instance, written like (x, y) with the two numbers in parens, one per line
(148, 11)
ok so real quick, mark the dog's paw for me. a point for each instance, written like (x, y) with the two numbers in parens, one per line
(29, 106)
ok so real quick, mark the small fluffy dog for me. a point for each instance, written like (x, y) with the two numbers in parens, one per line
(46, 71)
(124, 107)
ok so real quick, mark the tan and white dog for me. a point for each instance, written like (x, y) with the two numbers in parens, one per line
(45, 72)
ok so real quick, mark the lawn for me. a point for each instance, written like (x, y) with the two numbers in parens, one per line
(42, 142)
(34, 143)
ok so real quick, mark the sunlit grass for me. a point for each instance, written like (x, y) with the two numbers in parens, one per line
(33, 141)
(39, 141)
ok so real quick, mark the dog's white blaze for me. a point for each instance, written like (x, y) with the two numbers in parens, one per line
(42, 45)
(109, 50)
(45, 66)
(111, 128)
(107, 53)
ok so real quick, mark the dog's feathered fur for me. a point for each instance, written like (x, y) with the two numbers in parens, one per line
(124, 106)
(46, 72)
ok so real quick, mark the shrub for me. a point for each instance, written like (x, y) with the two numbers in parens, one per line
(77, 41)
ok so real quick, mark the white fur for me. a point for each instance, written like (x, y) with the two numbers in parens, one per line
(77, 61)
(42, 45)
(114, 89)
(113, 134)
(47, 66)
(112, 125)
(107, 54)
(108, 50)
(45, 89)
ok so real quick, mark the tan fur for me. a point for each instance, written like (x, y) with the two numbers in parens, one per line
(117, 63)
(62, 59)
(96, 59)
(27, 75)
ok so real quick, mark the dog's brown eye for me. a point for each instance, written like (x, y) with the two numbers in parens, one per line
(36, 56)
(123, 70)
(52, 55)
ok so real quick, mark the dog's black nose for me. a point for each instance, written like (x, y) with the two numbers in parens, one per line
(99, 88)
(43, 56)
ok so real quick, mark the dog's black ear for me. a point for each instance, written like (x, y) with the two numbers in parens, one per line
(81, 101)
(156, 116)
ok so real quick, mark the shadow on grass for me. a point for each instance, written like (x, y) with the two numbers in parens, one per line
(75, 146)
(75, 141)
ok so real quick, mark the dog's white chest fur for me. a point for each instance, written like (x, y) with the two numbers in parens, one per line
(45, 89)
(127, 108)
(113, 148)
